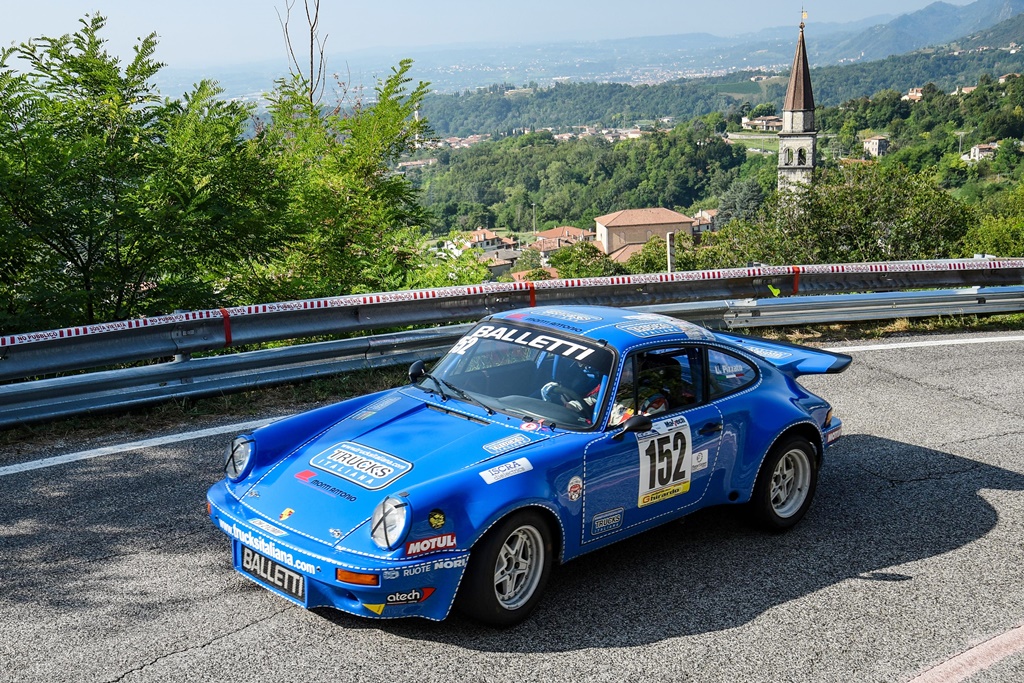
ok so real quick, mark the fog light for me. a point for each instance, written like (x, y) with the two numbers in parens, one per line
(357, 578)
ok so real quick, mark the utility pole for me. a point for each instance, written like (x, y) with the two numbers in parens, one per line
(670, 249)
(534, 204)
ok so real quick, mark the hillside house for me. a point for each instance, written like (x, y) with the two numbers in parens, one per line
(624, 232)
(877, 145)
(979, 152)
(705, 220)
(914, 95)
(762, 123)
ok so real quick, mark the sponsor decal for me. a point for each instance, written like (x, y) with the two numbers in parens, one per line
(265, 547)
(427, 545)
(436, 519)
(833, 435)
(509, 469)
(309, 478)
(700, 461)
(534, 340)
(269, 528)
(666, 461)
(509, 443)
(610, 520)
(390, 574)
(575, 489)
(285, 514)
(649, 329)
(375, 407)
(273, 574)
(360, 465)
(571, 316)
(774, 354)
(410, 597)
(457, 563)
(417, 570)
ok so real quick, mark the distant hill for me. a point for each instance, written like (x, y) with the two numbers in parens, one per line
(1003, 34)
(935, 24)
(959, 63)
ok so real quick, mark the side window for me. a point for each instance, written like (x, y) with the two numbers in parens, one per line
(727, 373)
(658, 381)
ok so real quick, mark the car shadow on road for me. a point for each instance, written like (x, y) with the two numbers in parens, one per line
(880, 504)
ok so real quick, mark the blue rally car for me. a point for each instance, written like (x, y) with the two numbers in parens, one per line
(543, 434)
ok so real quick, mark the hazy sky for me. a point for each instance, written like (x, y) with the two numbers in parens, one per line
(211, 32)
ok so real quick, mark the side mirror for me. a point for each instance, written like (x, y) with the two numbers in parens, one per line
(416, 371)
(637, 423)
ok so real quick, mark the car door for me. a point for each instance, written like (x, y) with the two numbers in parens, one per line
(633, 479)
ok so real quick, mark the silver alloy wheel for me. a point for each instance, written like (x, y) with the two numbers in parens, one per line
(519, 567)
(790, 482)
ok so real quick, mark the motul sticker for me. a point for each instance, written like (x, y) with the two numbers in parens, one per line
(429, 545)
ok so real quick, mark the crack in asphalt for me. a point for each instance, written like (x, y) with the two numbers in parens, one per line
(950, 391)
(200, 646)
(928, 477)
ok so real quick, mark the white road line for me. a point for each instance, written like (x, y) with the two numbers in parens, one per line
(978, 658)
(243, 426)
(134, 446)
(922, 344)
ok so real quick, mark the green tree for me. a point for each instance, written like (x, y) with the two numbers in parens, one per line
(114, 203)
(529, 260)
(653, 258)
(362, 221)
(858, 213)
(1001, 234)
(582, 259)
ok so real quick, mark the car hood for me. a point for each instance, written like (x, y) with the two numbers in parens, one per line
(329, 486)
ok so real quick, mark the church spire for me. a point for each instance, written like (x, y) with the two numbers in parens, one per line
(799, 96)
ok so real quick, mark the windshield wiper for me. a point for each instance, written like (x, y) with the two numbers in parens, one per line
(437, 383)
(466, 396)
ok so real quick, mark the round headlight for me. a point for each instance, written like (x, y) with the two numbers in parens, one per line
(237, 457)
(390, 523)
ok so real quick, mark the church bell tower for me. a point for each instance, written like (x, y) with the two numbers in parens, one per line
(798, 136)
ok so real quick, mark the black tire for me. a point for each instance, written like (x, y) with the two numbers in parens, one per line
(785, 485)
(490, 593)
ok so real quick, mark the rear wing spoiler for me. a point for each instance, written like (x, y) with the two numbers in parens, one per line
(793, 359)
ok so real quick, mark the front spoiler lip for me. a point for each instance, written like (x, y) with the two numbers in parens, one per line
(441, 572)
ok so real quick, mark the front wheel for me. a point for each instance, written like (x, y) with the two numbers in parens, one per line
(785, 485)
(508, 570)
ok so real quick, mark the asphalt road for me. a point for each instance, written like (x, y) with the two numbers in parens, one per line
(911, 554)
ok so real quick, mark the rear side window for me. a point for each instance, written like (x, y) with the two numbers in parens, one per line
(728, 373)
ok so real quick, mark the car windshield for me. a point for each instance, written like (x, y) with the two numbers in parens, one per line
(520, 370)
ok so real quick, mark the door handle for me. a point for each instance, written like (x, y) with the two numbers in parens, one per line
(711, 428)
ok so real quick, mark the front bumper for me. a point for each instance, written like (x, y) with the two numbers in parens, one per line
(304, 571)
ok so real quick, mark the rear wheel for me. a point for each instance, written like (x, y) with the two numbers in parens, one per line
(508, 570)
(785, 485)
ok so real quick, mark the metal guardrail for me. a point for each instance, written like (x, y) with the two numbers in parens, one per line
(119, 389)
(78, 348)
